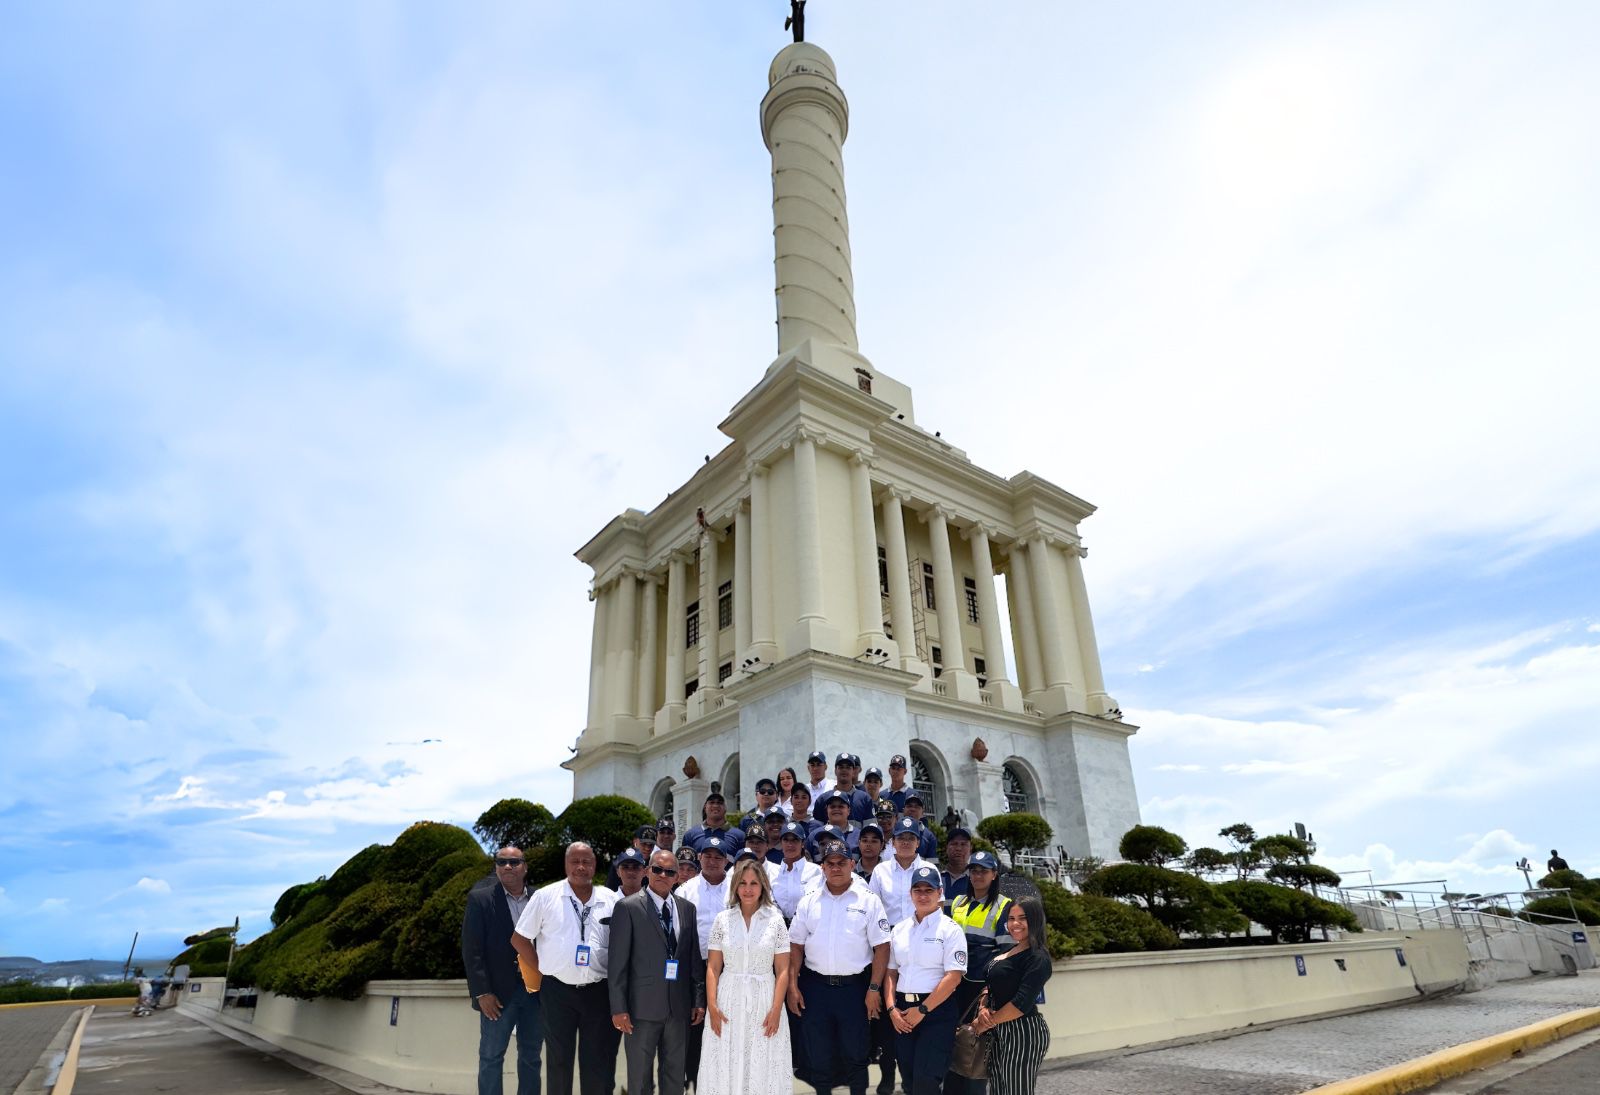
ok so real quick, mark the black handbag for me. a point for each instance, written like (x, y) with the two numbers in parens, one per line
(970, 1056)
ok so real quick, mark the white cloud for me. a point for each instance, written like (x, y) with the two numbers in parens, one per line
(152, 885)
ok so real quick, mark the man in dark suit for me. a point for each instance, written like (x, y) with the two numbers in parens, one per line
(657, 979)
(493, 979)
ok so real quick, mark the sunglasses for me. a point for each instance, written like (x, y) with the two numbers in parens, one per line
(662, 870)
(507, 862)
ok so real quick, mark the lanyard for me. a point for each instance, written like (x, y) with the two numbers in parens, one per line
(583, 918)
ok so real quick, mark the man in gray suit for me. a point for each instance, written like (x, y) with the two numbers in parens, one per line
(657, 978)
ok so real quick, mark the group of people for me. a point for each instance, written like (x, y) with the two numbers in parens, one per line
(812, 936)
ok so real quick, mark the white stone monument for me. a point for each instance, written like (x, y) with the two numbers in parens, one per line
(827, 580)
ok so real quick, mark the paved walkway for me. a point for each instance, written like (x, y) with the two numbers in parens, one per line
(24, 1035)
(167, 1052)
(1294, 1058)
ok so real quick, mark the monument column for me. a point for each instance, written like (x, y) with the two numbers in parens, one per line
(672, 709)
(1094, 684)
(1047, 607)
(627, 622)
(645, 706)
(962, 684)
(597, 658)
(869, 603)
(763, 640)
(811, 630)
(1024, 632)
(741, 582)
(894, 544)
(708, 607)
(994, 651)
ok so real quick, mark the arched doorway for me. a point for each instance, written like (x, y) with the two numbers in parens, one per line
(729, 782)
(927, 776)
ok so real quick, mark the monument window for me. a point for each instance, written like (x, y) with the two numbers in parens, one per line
(981, 670)
(691, 624)
(691, 686)
(936, 659)
(724, 605)
(1018, 800)
(724, 671)
(972, 599)
(883, 572)
(922, 779)
(927, 585)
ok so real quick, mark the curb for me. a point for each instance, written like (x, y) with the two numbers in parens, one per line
(1468, 1057)
(82, 1002)
(69, 1067)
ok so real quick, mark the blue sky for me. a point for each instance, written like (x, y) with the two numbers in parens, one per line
(331, 332)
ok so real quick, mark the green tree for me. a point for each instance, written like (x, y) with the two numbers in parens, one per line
(415, 851)
(1289, 915)
(1537, 911)
(516, 821)
(1301, 875)
(1241, 839)
(1089, 924)
(1204, 861)
(1280, 848)
(1151, 845)
(1015, 834)
(604, 822)
(1178, 900)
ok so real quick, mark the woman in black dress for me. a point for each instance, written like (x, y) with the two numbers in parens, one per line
(1016, 980)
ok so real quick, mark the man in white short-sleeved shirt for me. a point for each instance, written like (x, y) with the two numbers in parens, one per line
(564, 934)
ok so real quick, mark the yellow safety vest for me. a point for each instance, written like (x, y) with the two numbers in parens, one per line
(979, 919)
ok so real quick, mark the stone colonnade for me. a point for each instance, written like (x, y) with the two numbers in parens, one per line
(1046, 609)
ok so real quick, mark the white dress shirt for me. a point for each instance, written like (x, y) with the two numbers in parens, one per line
(551, 921)
(708, 901)
(792, 883)
(892, 883)
(923, 951)
(840, 931)
(819, 787)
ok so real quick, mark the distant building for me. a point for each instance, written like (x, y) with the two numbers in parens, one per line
(826, 581)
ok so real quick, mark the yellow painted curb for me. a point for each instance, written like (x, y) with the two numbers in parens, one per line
(69, 1067)
(102, 1001)
(1468, 1057)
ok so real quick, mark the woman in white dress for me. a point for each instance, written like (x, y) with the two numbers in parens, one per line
(747, 978)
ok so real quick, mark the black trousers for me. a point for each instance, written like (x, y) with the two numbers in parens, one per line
(924, 1054)
(691, 1058)
(835, 1029)
(577, 1029)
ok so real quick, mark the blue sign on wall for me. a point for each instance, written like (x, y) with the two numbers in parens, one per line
(194, 986)
(394, 1011)
(1300, 964)
(1579, 937)
(1400, 954)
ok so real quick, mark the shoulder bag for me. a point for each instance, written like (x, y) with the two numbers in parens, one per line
(970, 1057)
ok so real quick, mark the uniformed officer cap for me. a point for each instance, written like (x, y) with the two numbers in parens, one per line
(832, 847)
(914, 796)
(907, 825)
(632, 857)
(830, 832)
(756, 831)
(774, 816)
(884, 807)
(645, 832)
(687, 854)
(874, 773)
(835, 796)
(926, 876)
(897, 761)
(756, 824)
(855, 760)
(747, 853)
(983, 860)
(794, 829)
(871, 827)
(715, 796)
(765, 784)
(665, 825)
(842, 758)
(818, 757)
(958, 830)
(713, 846)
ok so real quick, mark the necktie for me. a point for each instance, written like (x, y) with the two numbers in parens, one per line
(666, 926)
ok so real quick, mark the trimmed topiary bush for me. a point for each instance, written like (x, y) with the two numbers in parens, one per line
(453, 864)
(374, 909)
(1090, 924)
(429, 944)
(292, 900)
(1178, 900)
(357, 871)
(604, 822)
(1015, 834)
(208, 957)
(415, 851)
(1289, 915)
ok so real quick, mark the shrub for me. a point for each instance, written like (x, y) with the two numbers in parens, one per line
(1204, 861)
(1151, 845)
(416, 850)
(1588, 911)
(374, 909)
(203, 936)
(1282, 848)
(604, 822)
(429, 944)
(357, 871)
(1180, 901)
(23, 992)
(1016, 834)
(208, 957)
(453, 864)
(1301, 875)
(517, 821)
(1096, 925)
(292, 900)
(1288, 914)
(105, 990)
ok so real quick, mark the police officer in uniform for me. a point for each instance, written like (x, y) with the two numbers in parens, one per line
(839, 943)
(928, 847)
(927, 957)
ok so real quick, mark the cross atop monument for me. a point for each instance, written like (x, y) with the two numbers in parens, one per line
(797, 19)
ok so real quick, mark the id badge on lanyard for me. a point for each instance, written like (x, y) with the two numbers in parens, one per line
(672, 969)
(581, 957)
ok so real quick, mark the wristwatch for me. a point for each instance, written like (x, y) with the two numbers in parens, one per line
(874, 988)
(922, 1007)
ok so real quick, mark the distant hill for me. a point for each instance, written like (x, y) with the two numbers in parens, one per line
(78, 970)
(11, 962)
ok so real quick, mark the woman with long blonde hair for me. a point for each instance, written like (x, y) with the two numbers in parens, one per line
(747, 979)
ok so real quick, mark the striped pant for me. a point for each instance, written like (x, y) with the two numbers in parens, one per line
(1016, 1053)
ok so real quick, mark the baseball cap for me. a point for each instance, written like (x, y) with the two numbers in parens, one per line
(747, 853)
(794, 829)
(874, 773)
(884, 808)
(958, 830)
(765, 784)
(835, 796)
(914, 796)
(842, 758)
(870, 827)
(830, 832)
(908, 825)
(632, 857)
(983, 860)
(855, 760)
(926, 876)
(757, 824)
(897, 761)
(715, 796)
(818, 757)
(832, 847)
(686, 854)
(666, 824)
(713, 845)
(645, 831)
